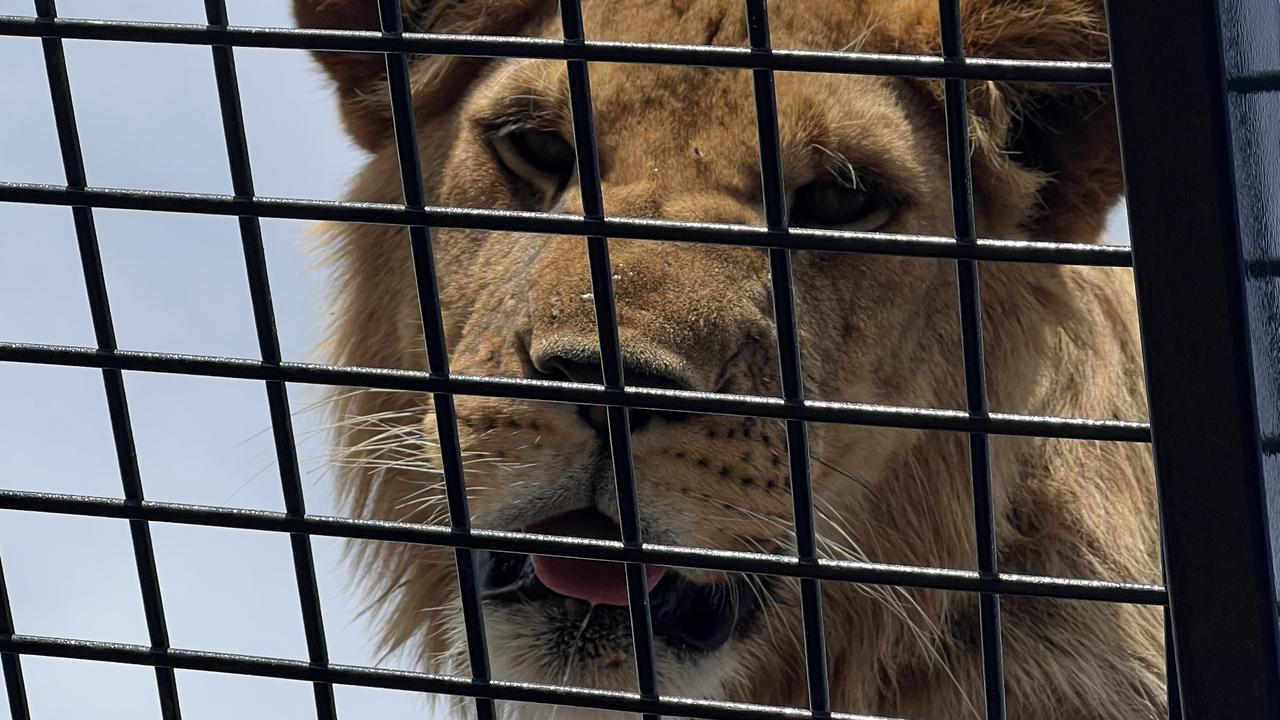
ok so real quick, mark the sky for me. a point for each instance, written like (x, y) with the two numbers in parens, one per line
(148, 118)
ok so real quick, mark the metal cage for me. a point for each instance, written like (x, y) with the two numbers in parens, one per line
(1202, 78)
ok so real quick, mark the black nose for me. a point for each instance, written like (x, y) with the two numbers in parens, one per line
(561, 368)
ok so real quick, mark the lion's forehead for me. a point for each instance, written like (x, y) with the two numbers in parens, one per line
(809, 24)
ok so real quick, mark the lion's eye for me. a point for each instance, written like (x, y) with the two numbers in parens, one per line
(539, 156)
(827, 203)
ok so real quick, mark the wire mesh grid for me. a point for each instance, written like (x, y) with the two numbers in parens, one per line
(419, 216)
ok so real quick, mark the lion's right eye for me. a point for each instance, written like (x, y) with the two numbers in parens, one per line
(539, 156)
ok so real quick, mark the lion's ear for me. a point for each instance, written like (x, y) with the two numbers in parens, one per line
(438, 80)
(1063, 132)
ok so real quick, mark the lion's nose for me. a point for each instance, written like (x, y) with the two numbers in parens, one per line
(688, 317)
(636, 373)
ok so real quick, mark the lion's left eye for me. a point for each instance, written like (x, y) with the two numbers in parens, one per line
(538, 156)
(827, 203)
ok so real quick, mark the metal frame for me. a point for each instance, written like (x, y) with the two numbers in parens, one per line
(1204, 231)
(1204, 269)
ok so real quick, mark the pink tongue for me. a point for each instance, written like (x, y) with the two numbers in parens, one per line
(599, 583)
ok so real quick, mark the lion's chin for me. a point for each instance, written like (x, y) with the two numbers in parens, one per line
(546, 643)
(596, 655)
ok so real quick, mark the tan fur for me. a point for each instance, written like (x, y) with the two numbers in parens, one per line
(680, 143)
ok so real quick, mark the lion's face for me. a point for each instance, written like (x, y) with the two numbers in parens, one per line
(679, 144)
(860, 152)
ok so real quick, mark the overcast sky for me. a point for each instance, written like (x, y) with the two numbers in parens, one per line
(148, 118)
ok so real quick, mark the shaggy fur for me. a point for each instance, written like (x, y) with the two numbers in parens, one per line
(680, 143)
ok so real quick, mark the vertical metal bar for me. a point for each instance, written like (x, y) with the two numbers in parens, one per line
(784, 313)
(113, 380)
(1202, 176)
(269, 345)
(1171, 668)
(10, 662)
(975, 381)
(406, 136)
(611, 363)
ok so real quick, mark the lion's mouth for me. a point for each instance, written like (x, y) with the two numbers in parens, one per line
(687, 615)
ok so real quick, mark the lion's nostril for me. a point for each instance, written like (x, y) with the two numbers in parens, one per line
(561, 368)
(598, 418)
(590, 372)
(565, 369)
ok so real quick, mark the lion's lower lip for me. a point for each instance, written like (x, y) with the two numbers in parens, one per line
(686, 615)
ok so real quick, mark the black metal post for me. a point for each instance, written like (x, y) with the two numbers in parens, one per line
(1203, 173)
(611, 363)
(113, 380)
(304, 566)
(424, 272)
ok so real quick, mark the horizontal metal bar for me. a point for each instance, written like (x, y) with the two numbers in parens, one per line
(871, 243)
(867, 573)
(1255, 83)
(894, 416)
(362, 676)
(922, 66)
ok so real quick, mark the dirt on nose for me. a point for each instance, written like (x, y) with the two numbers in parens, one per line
(684, 312)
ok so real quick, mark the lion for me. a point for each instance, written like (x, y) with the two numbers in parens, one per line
(860, 152)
